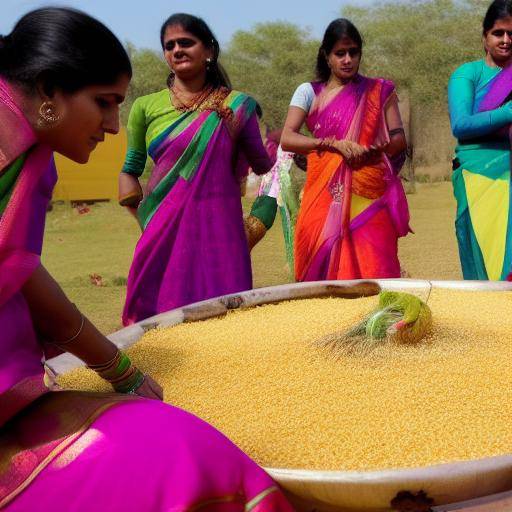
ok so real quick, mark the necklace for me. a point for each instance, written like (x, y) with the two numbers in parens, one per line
(194, 103)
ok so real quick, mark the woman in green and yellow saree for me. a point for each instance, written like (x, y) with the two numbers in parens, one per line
(481, 115)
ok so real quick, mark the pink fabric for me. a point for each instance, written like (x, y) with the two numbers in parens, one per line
(344, 116)
(143, 456)
(366, 245)
(21, 235)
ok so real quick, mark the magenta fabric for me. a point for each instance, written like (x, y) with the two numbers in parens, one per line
(21, 235)
(344, 117)
(329, 244)
(144, 456)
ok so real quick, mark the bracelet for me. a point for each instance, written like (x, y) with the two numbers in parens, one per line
(132, 199)
(73, 338)
(254, 230)
(120, 373)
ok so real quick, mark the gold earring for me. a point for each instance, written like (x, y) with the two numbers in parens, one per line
(47, 115)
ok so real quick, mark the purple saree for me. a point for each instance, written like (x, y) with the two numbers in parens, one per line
(193, 246)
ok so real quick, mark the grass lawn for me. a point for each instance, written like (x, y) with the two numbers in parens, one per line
(102, 242)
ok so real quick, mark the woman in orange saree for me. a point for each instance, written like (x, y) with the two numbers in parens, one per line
(354, 208)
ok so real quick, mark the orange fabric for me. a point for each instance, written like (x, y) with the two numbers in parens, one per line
(346, 258)
(369, 182)
(314, 207)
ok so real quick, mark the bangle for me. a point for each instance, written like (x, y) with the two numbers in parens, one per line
(73, 338)
(120, 373)
(254, 230)
(132, 199)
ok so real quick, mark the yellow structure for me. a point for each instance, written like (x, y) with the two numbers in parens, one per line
(96, 180)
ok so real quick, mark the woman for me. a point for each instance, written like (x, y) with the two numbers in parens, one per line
(353, 208)
(202, 137)
(480, 115)
(69, 450)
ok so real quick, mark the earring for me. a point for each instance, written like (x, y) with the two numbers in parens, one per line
(208, 63)
(47, 115)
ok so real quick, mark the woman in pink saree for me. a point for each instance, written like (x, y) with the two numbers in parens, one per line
(66, 450)
(354, 208)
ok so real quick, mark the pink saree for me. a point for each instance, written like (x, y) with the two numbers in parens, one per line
(350, 219)
(84, 451)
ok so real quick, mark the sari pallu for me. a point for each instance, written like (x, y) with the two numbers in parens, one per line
(350, 220)
(137, 454)
(482, 182)
(193, 244)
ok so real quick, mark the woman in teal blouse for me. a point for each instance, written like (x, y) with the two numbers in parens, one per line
(480, 115)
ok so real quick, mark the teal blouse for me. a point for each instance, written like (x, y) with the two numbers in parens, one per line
(466, 89)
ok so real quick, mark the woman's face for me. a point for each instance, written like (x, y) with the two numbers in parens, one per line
(84, 118)
(498, 41)
(344, 59)
(185, 54)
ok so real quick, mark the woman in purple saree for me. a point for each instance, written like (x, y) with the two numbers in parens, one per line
(64, 450)
(202, 137)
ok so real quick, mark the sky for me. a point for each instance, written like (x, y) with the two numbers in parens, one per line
(138, 21)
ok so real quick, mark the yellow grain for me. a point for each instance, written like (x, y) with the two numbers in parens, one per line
(257, 377)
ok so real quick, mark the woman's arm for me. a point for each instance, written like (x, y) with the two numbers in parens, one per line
(461, 96)
(251, 145)
(58, 320)
(397, 142)
(291, 138)
(130, 191)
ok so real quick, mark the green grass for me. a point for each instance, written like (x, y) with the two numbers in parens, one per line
(102, 242)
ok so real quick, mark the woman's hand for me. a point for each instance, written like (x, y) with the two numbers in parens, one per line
(130, 191)
(352, 152)
(150, 389)
(374, 154)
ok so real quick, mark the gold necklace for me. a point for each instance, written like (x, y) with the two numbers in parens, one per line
(193, 104)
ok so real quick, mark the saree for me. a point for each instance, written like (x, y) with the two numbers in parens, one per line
(481, 180)
(350, 220)
(67, 450)
(193, 245)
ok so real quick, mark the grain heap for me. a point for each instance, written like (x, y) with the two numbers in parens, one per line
(257, 376)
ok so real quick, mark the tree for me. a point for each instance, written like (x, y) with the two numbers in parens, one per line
(419, 44)
(269, 62)
(149, 75)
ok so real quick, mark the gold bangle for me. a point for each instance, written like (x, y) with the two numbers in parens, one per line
(254, 230)
(132, 199)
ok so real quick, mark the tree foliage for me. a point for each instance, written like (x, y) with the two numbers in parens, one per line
(419, 43)
(269, 62)
(149, 75)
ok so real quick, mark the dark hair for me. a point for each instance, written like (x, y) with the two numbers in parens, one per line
(61, 48)
(498, 10)
(216, 76)
(337, 30)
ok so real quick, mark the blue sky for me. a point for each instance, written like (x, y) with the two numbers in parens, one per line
(139, 21)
